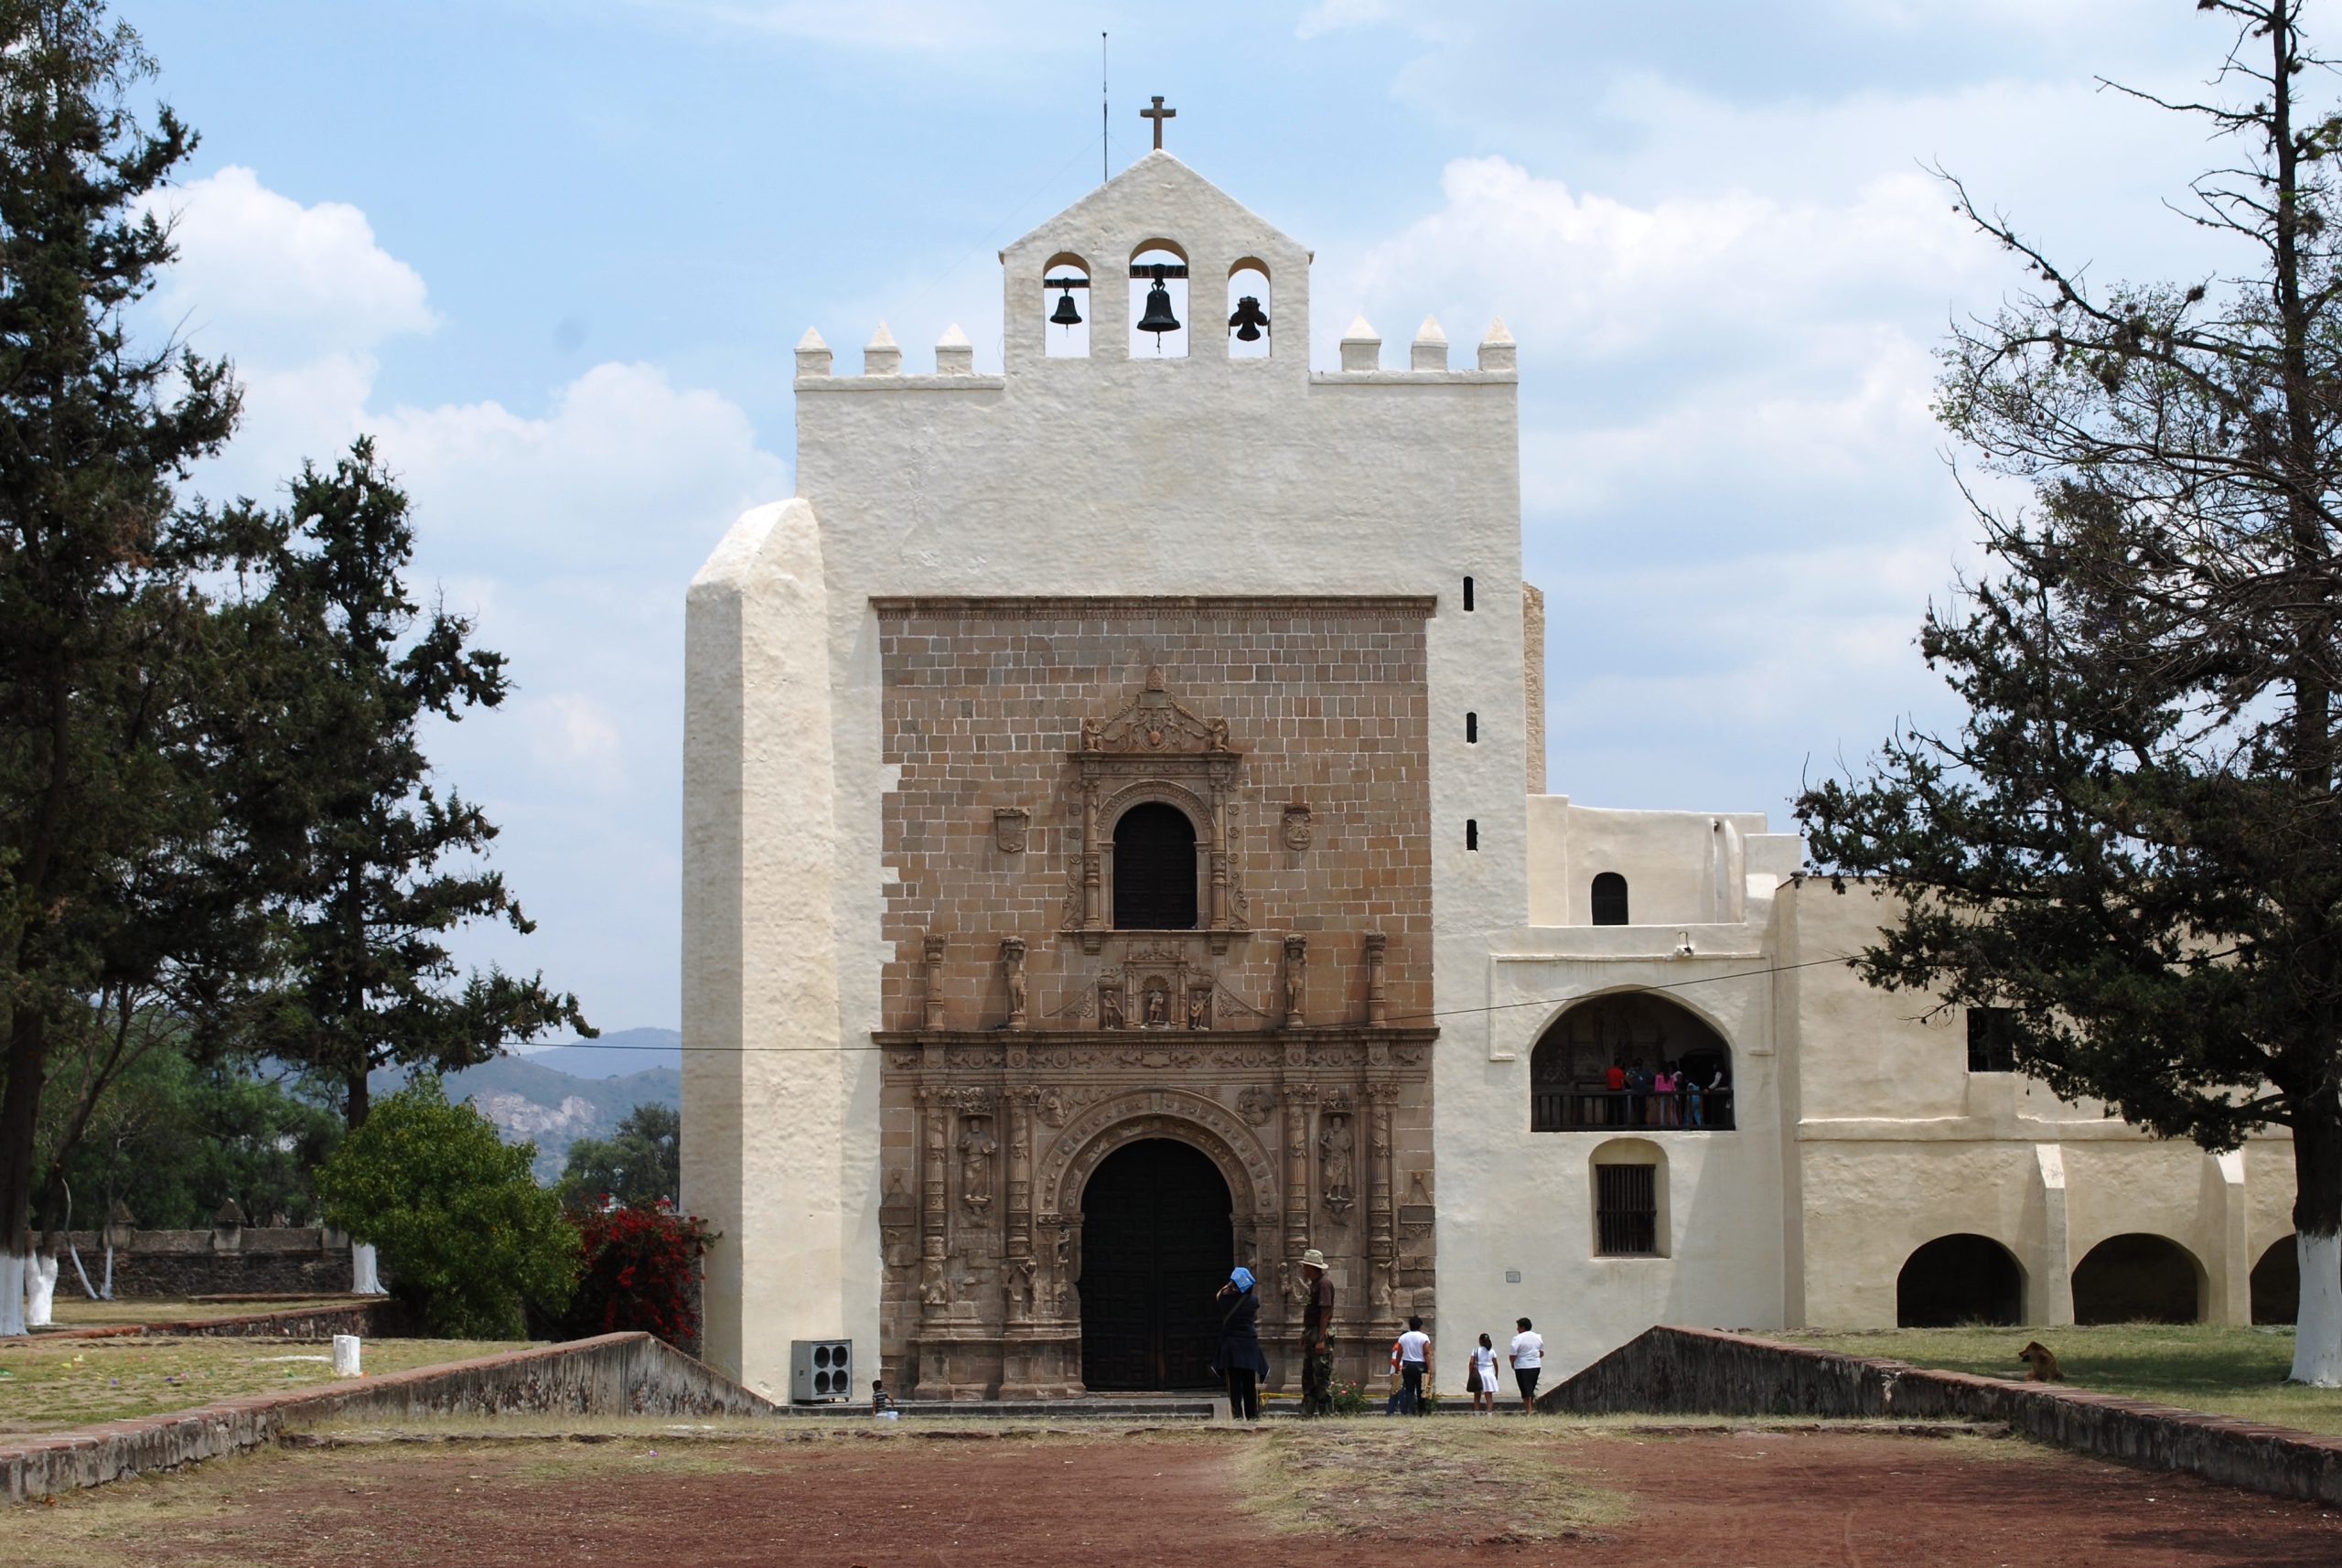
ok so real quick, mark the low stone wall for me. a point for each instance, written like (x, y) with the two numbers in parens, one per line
(372, 1317)
(1701, 1371)
(227, 1260)
(615, 1374)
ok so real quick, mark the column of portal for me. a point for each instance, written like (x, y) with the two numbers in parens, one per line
(1381, 1242)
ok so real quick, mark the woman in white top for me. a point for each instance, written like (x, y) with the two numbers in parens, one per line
(1480, 1381)
(1527, 1360)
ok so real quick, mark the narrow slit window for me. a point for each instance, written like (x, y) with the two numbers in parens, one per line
(1471, 833)
(1468, 592)
(1472, 729)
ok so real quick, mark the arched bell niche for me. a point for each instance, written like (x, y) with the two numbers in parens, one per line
(1159, 264)
(1250, 311)
(1066, 283)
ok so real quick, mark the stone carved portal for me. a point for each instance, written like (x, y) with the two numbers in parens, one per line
(984, 1295)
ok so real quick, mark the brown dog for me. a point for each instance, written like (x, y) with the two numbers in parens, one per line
(2043, 1361)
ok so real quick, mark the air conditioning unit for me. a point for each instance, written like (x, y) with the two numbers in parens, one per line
(820, 1370)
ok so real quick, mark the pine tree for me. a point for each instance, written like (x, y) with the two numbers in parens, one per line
(371, 863)
(2134, 843)
(96, 605)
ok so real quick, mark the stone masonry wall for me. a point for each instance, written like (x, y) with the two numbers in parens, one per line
(230, 1261)
(1326, 709)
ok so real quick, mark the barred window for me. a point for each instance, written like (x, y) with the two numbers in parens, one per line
(1609, 899)
(1991, 1043)
(1625, 1210)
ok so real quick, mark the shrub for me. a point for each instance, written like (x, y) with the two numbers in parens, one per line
(1349, 1398)
(465, 1233)
(638, 1273)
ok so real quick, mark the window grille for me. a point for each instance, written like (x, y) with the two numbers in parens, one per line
(1625, 1210)
(1610, 899)
(1990, 1047)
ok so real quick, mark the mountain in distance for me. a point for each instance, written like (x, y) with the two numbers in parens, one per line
(553, 1096)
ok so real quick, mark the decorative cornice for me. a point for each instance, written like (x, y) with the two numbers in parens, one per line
(1065, 606)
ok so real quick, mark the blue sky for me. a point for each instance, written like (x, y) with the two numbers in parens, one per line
(555, 255)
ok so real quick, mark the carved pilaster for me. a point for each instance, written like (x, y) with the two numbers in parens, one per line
(1298, 1098)
(931, 978)
(934, 1137)
(1377, 1009)
(1094, 916)
(1382, 1247)
(1022, 1104)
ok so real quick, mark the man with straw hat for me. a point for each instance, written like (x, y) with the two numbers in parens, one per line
(1316, 1336)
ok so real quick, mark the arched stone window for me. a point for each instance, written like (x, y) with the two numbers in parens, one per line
(1629, 1199)
(1959, 1279)
(2138, 1278)
(1602, 1063)
(1067, 283)
(1154, 869)
(1609, 899)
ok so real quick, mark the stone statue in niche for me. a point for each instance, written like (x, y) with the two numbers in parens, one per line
(1381, 1293)
(1296, 979)
(1336, 1151)
(1199, 1008)
(1020, 1286)
(934, 1291)
(1158, 1005)
(976, 1150)
(1011, 962)
(1009, 825)
(1110, 1007)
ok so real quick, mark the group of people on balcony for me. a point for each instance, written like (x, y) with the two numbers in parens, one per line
(1673, 1094)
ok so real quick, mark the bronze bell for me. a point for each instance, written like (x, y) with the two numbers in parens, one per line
(1158, 318)
(1248, 320)
(1065, 314)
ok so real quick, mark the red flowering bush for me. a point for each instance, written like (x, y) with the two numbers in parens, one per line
(640, 1268)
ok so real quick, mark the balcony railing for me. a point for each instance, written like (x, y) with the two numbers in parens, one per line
(1614, 1110)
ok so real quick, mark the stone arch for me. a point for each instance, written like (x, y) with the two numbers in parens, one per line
(1568, 1066)
(2139, 1277)
(1960, 1278)
(1176, 1113)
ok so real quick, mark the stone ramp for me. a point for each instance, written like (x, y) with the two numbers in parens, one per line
(1702, 1371)
(613, 1374)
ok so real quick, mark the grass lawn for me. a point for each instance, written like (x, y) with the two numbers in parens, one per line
(77, 1311)
(2230, 1371)
(52, 1385)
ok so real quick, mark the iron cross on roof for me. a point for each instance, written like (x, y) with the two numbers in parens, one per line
(1158, 114)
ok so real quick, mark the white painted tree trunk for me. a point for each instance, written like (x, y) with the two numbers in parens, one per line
(105, 1291)
(2317, 1325)
(87, 1288)
(363, 1278)
(12, 1269)
(40, 1291)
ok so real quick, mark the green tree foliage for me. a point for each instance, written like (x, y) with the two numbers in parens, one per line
(372, 865)
(638, 1165)
(176, 1135)
(466, 1234)
(2133, 842)
(96, 605)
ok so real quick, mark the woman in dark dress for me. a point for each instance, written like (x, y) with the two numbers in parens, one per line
(1238, 1360)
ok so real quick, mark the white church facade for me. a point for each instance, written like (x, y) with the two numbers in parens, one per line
(1116, 848)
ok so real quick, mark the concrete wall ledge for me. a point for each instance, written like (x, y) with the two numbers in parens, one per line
(613, 1374)
(1703, 1371)
(377, 1318)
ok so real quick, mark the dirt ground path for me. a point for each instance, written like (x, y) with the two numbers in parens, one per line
(1710, 1500)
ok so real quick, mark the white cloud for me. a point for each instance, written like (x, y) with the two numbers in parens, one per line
(566, 535)
(261, 276)
(1333, 16)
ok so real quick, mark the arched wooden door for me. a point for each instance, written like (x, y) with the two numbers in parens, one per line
(1157, 1240)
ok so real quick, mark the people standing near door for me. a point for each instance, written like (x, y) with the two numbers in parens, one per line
(1414, 1367)
(1527, 1360)
(1480, 1381)
(1238, 1360)
(1317, 1336)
